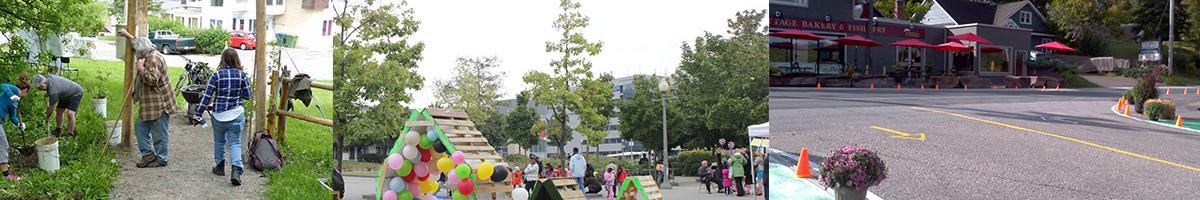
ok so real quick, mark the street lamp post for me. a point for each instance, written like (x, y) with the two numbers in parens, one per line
(663, 87)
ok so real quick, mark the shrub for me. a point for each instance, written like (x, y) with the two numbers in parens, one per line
(211, 40)
(1144, 89)
(1159, 109)
(688, 161)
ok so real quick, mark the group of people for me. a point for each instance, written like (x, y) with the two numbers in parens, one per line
(64, 96)
(577, 168)
(731, 171)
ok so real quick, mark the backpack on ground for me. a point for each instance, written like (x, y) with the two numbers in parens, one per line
(264, 152)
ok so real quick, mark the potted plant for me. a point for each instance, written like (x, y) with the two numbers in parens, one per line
(100, 95)
(1159, 109)
(850, 171)
(1144, 90)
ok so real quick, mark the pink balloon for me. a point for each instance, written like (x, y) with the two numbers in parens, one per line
(458, 157)
(395, 161)
(414, 188)
(421, 169)
(452, 179)
(389, 195)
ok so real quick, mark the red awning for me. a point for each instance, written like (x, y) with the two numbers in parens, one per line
(796, 34)
(969, 37)
(857, 41)
(952, 47)
(912, 43)
(1055, 46)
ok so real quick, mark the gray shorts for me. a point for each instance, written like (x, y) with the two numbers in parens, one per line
(3, 146)
(69, 103)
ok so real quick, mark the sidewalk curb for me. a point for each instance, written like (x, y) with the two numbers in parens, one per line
(1114, 110)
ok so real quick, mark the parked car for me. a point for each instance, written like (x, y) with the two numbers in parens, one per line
(168, 42)
(242, 40)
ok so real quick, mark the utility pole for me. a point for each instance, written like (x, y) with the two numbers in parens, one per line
(1171, 38)
(260, 68)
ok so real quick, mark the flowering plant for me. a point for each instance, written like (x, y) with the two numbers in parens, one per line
(852, 167)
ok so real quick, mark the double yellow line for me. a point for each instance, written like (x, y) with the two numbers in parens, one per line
(1063, 137)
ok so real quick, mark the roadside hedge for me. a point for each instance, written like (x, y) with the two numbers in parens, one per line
(688, 161)
(208, 40)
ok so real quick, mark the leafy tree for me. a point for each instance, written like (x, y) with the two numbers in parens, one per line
(914, 10)
(1153, 17)
(571, 89)
(46, 17)
(641, 116)
(473, 88)
(721, 81)
(518, 124)
(373, 68)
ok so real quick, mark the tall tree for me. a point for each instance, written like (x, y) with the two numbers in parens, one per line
(374, 66)
(1153, 17)
(910, 10)
(474, 87)
(721, 81)
(572, 88)
(641, 116)
(518, 123)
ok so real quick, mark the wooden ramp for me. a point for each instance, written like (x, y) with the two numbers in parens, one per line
(458, 133)
(562, 188)
(640, 186)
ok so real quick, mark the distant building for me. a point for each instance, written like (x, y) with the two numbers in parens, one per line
(622, 88)
(311, 21)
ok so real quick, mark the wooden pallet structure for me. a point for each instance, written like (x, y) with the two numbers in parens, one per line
(643, 186)
(457, 133)
(562, 188)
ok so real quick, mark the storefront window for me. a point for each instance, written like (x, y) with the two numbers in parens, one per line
(907, 56)
(996, 61)
(807, 57)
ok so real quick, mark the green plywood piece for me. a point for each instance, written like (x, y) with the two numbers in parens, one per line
(545, 190)
(632, 181)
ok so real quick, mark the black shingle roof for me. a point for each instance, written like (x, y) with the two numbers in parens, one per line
(969, 11)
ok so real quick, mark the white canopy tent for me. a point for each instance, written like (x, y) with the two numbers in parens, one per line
(761, 131)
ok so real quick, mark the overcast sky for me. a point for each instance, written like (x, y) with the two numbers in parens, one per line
(640, 36)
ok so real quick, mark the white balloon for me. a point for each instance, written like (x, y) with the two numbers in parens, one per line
(411, 153)
(412, 138)
(397, 184)
(473, 163)
(520, 193)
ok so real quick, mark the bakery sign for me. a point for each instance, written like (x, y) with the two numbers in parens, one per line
(845, 27)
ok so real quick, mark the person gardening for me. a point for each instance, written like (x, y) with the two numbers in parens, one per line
(10, 95)
(156, 102)
(227, 89)
(64, 96)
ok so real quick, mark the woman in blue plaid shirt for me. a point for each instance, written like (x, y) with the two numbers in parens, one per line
(223, 98)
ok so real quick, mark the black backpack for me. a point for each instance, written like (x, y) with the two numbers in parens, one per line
(264, 153)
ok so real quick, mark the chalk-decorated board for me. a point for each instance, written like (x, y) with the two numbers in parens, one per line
(639, 186)
(439, 151)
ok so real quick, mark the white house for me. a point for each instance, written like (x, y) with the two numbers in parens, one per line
(311, 21)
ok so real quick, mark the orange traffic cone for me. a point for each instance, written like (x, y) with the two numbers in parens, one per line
(1185, 91)
(1126, 110)
(1120, 101)
(1178, 120)
(802, 169)
(964, 87)
(872, 87)
(1057, 87)
(922, 87)
(937, 87)
(818, 85)
(1197, 91)
(897, 87)
(1043, 88)
(1169, 92)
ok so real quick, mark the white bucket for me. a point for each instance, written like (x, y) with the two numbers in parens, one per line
(47, 152)
(114, 137)
(100, 106)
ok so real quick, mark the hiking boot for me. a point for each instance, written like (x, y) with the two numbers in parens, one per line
(219, 170)
(236, 178)
(146, 160)
(12, 177)
(57, 132)
(71, 134)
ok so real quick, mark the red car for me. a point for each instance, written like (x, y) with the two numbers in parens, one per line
(242, 40)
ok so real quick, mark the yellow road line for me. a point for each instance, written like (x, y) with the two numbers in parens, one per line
(892, 131)
(900, 134)
(1064, 138)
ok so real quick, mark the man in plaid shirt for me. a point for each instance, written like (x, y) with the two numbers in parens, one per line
(156, 99)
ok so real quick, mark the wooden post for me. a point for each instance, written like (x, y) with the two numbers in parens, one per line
(271, 119)
(281, 129)
(260, 68)
(135, 14)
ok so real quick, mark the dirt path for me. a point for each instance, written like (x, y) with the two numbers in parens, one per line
(188, 175)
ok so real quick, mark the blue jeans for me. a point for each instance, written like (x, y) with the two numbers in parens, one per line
(579, 181)
(158, 129)
(230, 133)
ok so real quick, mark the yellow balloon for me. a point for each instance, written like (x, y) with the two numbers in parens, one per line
(485, 170)
(428, 186)
(445, 164)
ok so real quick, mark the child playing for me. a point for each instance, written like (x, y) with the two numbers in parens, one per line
(608, 182)
(728, 182)
(10, 95)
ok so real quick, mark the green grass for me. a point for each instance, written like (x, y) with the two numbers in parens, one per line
(1122, 49)
(1182, 78)
(1073, 80)
(308, 147)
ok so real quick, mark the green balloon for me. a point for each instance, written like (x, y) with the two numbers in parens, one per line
(405, 169)
(459, 196)
(425, 143)
(464, 170)
(404, 195)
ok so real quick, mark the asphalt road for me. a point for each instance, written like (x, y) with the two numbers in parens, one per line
(994, 144)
